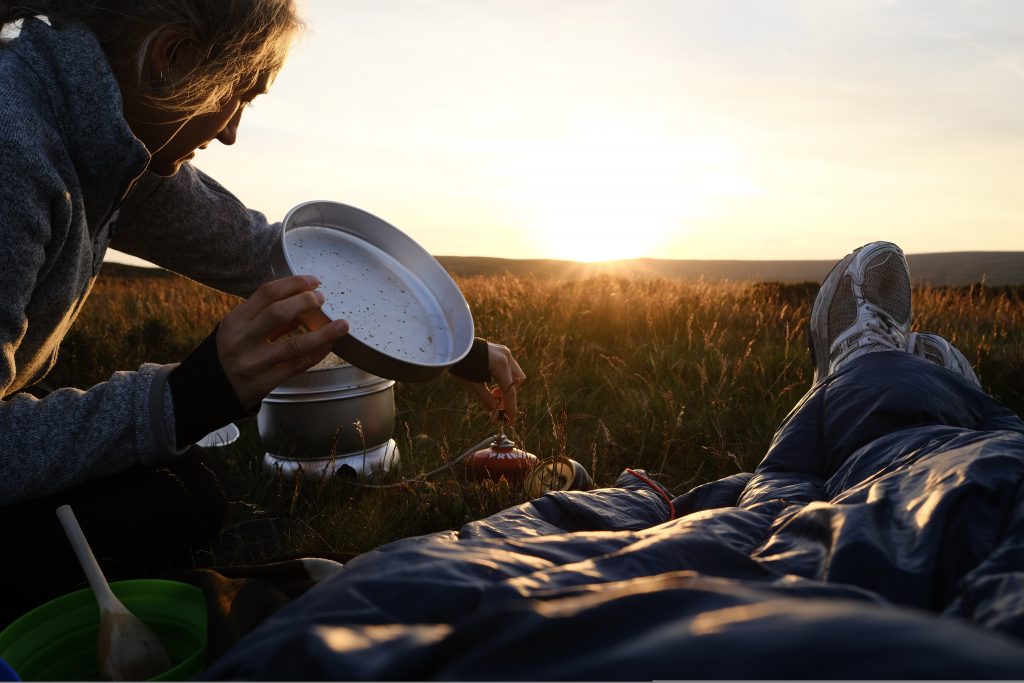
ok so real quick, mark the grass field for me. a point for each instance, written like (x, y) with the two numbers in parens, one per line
(687, 380)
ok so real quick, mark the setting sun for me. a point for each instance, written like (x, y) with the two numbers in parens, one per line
(613, 191)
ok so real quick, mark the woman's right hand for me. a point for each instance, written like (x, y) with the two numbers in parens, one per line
(255, 357)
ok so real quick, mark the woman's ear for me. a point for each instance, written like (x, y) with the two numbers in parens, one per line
(171, 57)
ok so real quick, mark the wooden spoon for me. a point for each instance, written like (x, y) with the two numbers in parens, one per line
(127, 649)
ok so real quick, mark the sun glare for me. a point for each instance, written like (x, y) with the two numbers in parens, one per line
(615, 192)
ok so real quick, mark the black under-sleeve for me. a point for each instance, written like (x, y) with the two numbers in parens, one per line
(475, 366)
(203, 397)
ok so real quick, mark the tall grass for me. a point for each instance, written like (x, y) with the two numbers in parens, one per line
(688, 380)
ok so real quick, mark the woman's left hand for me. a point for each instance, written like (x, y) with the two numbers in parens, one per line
(506, 373)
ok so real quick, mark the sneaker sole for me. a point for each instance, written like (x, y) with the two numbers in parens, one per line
(818, 343)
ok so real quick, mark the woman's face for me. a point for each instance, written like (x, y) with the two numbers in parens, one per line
(171, 143)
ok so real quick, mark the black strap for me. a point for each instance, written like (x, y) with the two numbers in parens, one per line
(203, 397)
(475, 367)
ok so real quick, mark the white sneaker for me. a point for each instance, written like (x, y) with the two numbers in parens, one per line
(932, 347)
(862, 307)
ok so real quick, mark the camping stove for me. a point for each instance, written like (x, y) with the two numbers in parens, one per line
(361, 464)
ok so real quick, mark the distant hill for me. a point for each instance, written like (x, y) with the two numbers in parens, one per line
(952, 269)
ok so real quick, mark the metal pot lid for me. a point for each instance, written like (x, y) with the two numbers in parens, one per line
(337, 378)
(407, 318)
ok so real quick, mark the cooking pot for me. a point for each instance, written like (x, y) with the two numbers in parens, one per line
(327, 412)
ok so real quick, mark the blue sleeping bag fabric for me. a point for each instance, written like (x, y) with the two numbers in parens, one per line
(882, 536)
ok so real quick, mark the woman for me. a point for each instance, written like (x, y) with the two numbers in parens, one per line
(102, 106)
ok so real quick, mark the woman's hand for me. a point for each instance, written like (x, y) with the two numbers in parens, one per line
(506, 373)
(254, 356)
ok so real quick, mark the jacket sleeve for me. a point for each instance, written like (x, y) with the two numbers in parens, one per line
(71, 436)
(190, 224)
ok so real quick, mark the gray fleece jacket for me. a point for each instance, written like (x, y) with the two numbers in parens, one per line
(73, 180)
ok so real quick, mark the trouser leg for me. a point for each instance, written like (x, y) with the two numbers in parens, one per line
(140, 523)
(874, 396)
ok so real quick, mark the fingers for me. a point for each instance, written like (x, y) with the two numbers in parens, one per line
(505, 371)
(295, 351)
(284, 329)
(517, 372)
(255, 369)
(484, 394)
(314, 320)
(274, 309)
(508, 402)
(504, 368)
(277, 374)
(255, 355)
(270, 292)
(284, 312)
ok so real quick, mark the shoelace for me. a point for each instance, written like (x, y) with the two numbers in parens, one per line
(882, 324)
(882, 329)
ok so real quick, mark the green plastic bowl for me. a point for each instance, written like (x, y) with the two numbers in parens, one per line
(57, 641)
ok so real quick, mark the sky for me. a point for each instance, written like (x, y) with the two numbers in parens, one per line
(684, 129)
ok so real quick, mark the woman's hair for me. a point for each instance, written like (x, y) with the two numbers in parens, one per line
(236, 41)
